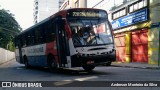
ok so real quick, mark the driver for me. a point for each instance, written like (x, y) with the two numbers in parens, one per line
(90, 33)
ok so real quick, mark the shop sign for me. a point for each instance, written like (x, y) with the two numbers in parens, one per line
(136, 17)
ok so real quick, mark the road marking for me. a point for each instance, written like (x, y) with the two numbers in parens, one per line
(60, 83)
(86, 78)
(20, 68)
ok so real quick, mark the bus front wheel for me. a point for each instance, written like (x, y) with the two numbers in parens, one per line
(52, 65)
(108, 64)
(88, 68)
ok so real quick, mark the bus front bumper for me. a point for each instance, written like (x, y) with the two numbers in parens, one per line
(95, 59)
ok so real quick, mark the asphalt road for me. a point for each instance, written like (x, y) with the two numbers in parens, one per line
(12, 71)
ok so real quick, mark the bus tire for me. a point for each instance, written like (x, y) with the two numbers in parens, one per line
(88, 68)
(26, 63)
(108, 64)
(52, 65)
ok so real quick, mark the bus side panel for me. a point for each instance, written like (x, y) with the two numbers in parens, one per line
(38, 61)
(36, 55)
(51, 48)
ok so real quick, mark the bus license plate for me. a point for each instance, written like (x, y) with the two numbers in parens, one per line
(90, 62)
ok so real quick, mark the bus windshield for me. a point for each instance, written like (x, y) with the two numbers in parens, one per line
(90, 31)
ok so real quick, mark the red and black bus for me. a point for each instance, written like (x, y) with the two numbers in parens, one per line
(78, 37)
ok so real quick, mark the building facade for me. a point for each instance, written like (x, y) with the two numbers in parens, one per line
(136, 28)
(131, 24)
(154, 33)
(44, 9)
(60, 3)
(74, 4)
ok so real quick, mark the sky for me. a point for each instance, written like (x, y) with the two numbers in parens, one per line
(22, 9)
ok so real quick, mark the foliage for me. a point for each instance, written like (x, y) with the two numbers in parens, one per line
(8, 29)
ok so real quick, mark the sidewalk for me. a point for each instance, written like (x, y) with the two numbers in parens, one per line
(6, 61)
(135, 65)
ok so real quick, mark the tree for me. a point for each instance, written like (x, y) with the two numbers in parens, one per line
(8, 29)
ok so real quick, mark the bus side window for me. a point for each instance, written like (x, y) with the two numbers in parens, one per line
(16, 42)
(50, 31)
(26, 38)
(31, 38)
(43, 34)
(20, 41)
(47, 32)
(23, 40)
(39, 35)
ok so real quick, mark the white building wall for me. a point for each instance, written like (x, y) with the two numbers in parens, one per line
(47, 8)
(71, 4)
(6, 55)
(83, 4)
(66, 5)
(104, 4)
(91, 3)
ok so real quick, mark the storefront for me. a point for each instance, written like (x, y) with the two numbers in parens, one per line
(131, 25)
(139, 46)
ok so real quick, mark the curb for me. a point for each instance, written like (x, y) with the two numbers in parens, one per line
(136, 67)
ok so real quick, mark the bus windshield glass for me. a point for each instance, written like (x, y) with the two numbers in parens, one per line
(90, 31)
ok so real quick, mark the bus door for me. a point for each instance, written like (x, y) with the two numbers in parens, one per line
(62, 45)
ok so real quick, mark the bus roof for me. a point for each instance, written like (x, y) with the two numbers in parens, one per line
(62, 13)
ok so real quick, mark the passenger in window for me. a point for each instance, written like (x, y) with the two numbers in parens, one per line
(78, 36)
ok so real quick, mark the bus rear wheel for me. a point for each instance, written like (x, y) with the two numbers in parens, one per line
(26, 63)
(88, 68)
(52, 65)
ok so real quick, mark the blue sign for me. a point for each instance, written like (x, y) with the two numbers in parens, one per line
(155, 25)
(139, 16)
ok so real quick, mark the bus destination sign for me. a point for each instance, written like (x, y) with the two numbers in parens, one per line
(87, 13)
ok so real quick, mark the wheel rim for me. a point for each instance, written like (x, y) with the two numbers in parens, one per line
(53, 64)
(26, 63)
